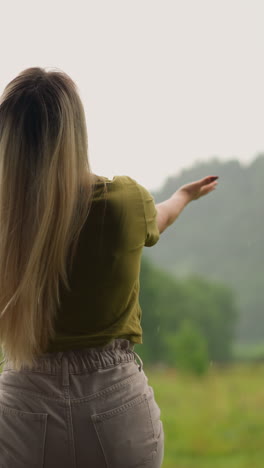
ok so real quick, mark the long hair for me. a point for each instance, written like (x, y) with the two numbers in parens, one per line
(45, 197)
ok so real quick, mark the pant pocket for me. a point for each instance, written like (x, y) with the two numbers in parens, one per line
(158, 455)
(22, 438)
(155, 413)
(126, 434)
(157, 424)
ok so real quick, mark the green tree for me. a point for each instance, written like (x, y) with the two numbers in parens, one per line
(221, 237)
(166, 301)
(188, 349)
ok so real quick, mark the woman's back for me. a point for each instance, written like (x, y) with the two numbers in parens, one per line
(103, 302)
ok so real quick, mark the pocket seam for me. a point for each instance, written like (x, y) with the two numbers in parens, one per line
(98, 417)
(106, 442)
(40, 418)
(104, 391)
(23, 414)
(8, 389)
(151, 420)
(161, 429)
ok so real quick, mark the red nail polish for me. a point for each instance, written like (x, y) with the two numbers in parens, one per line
(214, 178)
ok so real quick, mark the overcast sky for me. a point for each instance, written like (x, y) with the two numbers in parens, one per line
(164, 83)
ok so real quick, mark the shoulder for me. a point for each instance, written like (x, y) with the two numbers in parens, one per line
(124, 180)
(116, 180)
(133, 189)
(127, 181)
(121, 182)
(130, 187)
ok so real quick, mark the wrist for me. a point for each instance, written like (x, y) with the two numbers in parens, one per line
(175, 204)
(183, 195)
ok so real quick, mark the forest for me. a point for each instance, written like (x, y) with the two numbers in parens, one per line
(186, 323)
(216, 239)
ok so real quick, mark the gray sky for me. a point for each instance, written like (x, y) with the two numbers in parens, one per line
(164, 83)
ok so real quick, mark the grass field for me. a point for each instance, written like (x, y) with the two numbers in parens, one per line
(216, 421)
(212, 422)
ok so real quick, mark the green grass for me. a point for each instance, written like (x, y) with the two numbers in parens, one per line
(248, 352)
(216, 421)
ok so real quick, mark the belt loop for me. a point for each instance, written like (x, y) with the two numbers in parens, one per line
(65, 371)
(137, 356)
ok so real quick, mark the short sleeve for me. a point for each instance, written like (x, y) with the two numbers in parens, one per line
(150, 213)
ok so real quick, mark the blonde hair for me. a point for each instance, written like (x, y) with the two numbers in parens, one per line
(45, 197)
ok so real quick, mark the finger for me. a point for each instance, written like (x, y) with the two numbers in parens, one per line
(208, 180)
(209, 188)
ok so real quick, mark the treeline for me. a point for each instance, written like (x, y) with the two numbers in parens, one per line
(184, 316)
(220, 237)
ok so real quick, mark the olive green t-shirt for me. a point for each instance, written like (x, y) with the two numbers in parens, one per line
(104, 299)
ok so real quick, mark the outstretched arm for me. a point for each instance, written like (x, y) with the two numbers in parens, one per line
(169, 210)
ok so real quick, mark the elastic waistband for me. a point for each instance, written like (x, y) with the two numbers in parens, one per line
(84, 359)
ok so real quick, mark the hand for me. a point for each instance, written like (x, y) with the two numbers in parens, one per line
(198, 189)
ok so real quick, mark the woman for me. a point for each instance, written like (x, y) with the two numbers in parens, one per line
(72, 394)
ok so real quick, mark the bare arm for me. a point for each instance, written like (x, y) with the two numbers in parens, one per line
(169, 210)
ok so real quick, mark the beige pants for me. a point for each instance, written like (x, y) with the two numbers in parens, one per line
(86, 408)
